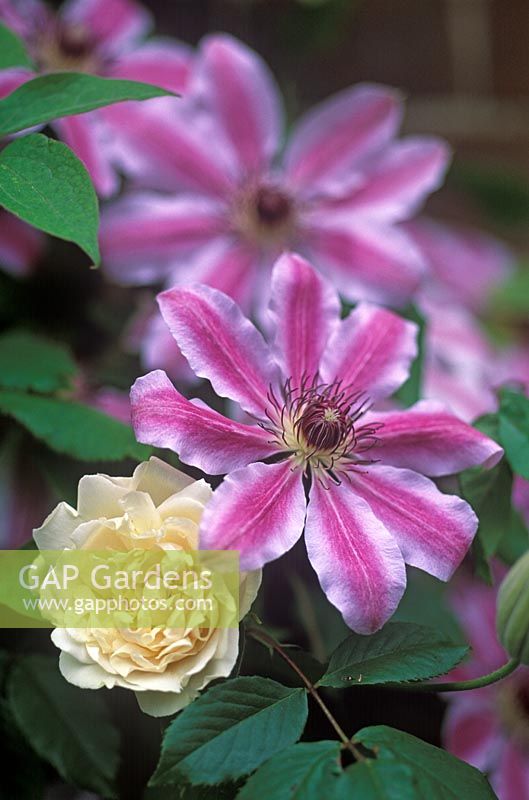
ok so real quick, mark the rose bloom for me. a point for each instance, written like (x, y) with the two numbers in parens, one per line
(158, 507)
(102, 37)
(309, 391)
(489, 727)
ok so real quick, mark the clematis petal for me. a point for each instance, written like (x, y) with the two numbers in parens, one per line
(371, 351)
(359, 564)
(142, 235)
(221, 344)
(224, 264)
(511, 780)
(433, 530)
(161, 416)
(340, 132)
(115, 24)
(401, 178)
(367, 260)
(466, 264)
(20, 245)
(162, 62)
(429, 439)
(237, 87)
(258, 510)
(85, 135)
(471, 731)
(305, 309)
(164, 147)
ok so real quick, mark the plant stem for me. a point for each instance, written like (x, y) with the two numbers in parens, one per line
(462, 686)
(264, 638)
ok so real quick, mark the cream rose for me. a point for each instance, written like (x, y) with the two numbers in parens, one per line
(157, 507)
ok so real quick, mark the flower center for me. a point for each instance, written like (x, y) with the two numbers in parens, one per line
(323, 424)
(265, 215)
(513, 703)
(317, 425)
(67, 47)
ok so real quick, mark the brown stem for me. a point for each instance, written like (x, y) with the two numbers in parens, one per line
(264, 638)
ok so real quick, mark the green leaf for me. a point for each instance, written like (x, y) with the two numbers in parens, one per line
(304, 771)
(514, 430)
(515, 541)
(374, 779)
(489, 493)
(425, 603)
(66, 726)
(72, 428)
(401, 651)
(411, 391)
(12, 50)
(230, 731)
(61, 94)
(436, 774)
(31, 362)
(45, 184)
(25, 779)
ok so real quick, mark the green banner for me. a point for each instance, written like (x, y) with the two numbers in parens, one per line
(116, 589)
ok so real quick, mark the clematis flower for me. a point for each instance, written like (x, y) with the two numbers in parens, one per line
(335, 194)
(371, 508)
(103, 37)
(489, 727)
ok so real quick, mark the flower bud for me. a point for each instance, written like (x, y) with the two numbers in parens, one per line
(512, 611)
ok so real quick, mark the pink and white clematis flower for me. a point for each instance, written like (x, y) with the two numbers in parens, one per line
(371, 507)
(103, 37)
(335, 193)
(489, 727)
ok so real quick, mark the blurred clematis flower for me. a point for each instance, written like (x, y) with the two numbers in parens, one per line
(103, 37)
(335, 192)
(309, 391)
(489, 727)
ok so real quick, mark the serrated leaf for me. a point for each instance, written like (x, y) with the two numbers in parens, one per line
(230, 731)
(66, 726)
(436, 773)
(61, 94)
(45, 184)
(374, 779)
(401, 651)
(514, 430)
(32, 362)
(489, 493)
(73, 428)
(12, 50)
(305, 771)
